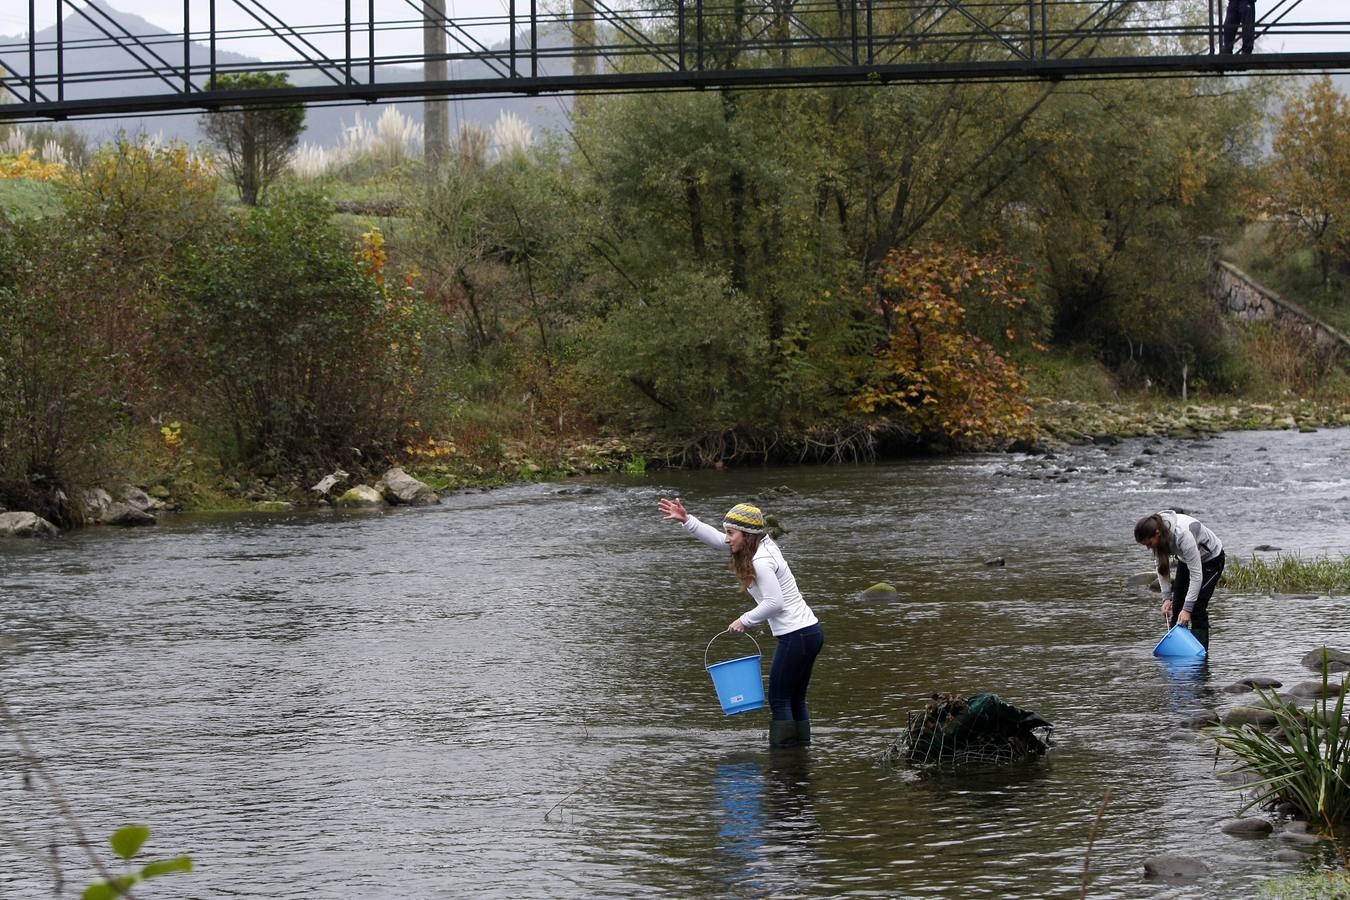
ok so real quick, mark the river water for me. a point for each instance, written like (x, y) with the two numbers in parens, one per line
(504, 695)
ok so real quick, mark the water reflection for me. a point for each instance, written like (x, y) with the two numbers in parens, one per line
(767, 825)
(1186, 682)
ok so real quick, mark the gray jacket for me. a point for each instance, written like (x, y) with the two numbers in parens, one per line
(1191, 543)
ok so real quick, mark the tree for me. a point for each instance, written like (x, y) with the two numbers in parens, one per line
(257, 142)
(931, 368)
(1309, 174)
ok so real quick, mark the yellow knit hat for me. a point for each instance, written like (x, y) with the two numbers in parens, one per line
(744, 517)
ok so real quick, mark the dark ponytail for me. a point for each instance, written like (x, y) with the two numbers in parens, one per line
(1145, 529)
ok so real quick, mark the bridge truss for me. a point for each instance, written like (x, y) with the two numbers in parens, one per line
(90, 63)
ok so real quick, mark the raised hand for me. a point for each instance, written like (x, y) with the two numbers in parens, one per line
(674, 510)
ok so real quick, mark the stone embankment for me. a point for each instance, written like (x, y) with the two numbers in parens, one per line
(1242, 296)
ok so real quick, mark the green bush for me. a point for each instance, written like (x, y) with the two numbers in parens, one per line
(299, 353)
(679, 358)
(58, 370)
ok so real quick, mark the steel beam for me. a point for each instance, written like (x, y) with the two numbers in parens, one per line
(648, 45)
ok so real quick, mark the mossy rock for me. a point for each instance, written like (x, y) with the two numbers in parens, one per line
(881, 591)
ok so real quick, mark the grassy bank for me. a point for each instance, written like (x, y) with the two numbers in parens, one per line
(1289, 574)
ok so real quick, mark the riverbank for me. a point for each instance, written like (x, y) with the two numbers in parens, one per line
(181, 482)
(1080, 422)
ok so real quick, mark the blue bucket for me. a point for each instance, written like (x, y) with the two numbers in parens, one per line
(739, 684)
(1179, 642)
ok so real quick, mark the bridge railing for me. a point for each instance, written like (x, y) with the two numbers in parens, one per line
(87, 61)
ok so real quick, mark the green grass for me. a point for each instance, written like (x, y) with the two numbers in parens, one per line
(1068, 375)
(1316, 886)
(1289, 574)
(22, 198)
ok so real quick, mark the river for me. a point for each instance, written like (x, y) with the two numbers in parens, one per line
(504, 695)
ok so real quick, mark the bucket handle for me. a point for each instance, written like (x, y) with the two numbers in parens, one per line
(728, 631)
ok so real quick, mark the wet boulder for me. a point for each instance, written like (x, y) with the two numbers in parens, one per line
(1247, 685)
(1316, 690)
(1173, 866)
(135, 497)
(1205, 719)
(94, 502)
(1299, 838)
(126, 515)
(26, 524)
(361, 495)
(1337, 660)
(1148, 580)
(398, 487)
(1246, 826)
(1256, 716)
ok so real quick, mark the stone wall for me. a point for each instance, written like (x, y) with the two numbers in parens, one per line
(1241, 296)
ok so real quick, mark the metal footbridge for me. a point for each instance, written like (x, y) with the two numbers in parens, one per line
(92, 61)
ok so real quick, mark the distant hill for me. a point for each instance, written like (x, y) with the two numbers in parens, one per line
(324, 124)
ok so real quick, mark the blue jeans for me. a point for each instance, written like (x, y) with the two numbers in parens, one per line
(790, 672)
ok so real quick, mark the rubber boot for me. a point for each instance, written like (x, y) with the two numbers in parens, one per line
(803, 732)
(782, 733)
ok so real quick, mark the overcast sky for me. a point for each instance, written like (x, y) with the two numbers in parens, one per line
(168, 14)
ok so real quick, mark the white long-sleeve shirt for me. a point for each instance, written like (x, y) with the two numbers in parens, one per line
(777, 599)
(1193, 544)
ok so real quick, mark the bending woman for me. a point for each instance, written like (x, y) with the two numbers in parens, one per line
(1200, 561)
(764, 574)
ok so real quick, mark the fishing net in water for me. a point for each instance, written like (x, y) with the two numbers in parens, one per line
(982, 729)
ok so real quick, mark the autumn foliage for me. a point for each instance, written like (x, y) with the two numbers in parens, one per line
(932, 369)
(1309, 174)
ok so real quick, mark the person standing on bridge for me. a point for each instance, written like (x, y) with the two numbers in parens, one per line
(764, 574)
(1200, 561)
(1239, 11)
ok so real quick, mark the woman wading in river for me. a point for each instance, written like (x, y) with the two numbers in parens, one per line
(765, 576)
(1200, 560)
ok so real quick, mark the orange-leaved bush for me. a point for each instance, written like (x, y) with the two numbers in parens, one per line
(931, 368)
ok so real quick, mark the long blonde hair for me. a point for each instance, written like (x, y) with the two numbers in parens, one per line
(743, 561)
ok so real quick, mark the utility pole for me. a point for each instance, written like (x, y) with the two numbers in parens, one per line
(435, 110)
(583, 48)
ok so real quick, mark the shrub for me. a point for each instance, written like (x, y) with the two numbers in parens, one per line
(297, 346)
(932, 368)
(58, 373)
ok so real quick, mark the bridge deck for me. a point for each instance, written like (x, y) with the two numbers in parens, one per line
(89, 63)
